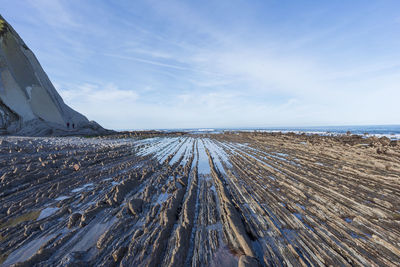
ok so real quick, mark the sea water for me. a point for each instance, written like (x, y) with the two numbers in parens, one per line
(391, 131)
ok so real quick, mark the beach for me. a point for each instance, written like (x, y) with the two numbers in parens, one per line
(178, 199)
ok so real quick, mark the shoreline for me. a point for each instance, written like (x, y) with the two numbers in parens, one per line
(151, 198)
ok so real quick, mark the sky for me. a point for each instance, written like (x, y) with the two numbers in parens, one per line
(218, 64)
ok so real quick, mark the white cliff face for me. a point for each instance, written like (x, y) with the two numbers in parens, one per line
(29, 103)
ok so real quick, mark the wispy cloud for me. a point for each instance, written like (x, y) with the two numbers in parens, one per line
(147, 61)
(160, 64)
(103, 95)
(99, 102)
(55, 13)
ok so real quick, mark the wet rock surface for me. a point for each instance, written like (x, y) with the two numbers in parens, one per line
(233, 199)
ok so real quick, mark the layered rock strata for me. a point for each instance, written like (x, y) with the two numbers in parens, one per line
(240, 199)
(29, 103)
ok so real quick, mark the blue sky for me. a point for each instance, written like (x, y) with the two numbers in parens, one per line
(187, 64)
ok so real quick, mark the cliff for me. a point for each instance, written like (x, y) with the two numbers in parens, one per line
(29, 103)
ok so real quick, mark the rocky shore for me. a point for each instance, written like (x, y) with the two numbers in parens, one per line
(233, 199)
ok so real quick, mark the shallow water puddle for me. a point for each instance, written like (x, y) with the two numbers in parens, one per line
(27, 251)
(90, 238)
(47, 212)
(61, 198)
(84, 187)
(204, 166)
(162, 198)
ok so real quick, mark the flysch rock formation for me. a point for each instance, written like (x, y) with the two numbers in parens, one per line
(232, 199)
(29, 103)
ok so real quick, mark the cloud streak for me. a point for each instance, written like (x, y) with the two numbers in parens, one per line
(218, 64)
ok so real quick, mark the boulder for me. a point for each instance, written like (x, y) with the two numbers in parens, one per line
(119, 253)
(76, 167)
(135, 206)
(74, 219)
(395, 143)
(247, 261)
(384, 141)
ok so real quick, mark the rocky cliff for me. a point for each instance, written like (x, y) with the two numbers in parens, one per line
(29, 103)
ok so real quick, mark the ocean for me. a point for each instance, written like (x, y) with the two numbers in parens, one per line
(391, 131)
